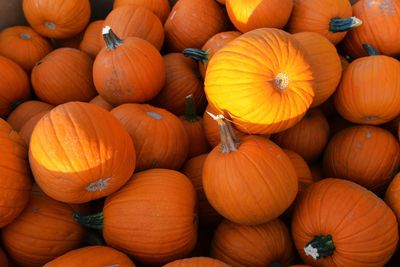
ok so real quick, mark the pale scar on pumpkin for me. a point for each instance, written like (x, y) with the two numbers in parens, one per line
(112, 265)
(98, 185)
(50, 25)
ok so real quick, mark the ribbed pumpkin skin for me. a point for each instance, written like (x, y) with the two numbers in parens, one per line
(132, 72)
(136, 21)
(69, 17)
(365, 96)
(64, 75)
(25, 111)
(257, 246)
(308, 138)
(43, 231)
(315, 16)
(159, 7)
(12, 76)
(392, 196)
(16, 183)
(3, 259)
(72, 157)
(27, 128)
(182, 79)
(363, 228)
(159, 137)
(92, 256)
(99, 101)
(197, 262)
(325, 63)
(254, 92)
(92, 41)
(158, 223)
(192, 22)
(303, 172)
(245, 202)
(197, 141)
(24, 46)
(366, 155)
(249, 15)
(385, 39)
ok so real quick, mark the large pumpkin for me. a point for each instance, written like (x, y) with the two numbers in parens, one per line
(129, 70)
(92, 256)
(57, 18)
(64, 75)
(159, 137)
(16, 182)
(159, 7)
(248, 15)
(339, 223)
(274, 74)
(197, 262)
(80, 152)
(92, 41)
(267, 244)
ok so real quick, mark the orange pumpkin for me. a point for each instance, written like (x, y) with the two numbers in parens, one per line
(392, 195)
(268, 244)
(268, 79)
(92, 41)
(62, 76)
(303, 172)
(16, 183)
(325, 63)
(366, 155)
(250, 15)
(136, 21)
(57, 18)
(92, 256)
(73, 158)
(126, 71)
(159, 7)
(192, 22)
(27, 128)
(339, 223)
(197, 262)
(308, 138)
(99, 101)
(159, 137)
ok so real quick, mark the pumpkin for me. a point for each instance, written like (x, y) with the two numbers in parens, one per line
(24, 46)
(392, 195)
(325, 63)
(160, 8)
(339, 223)
(92, 41)
(3, 259)
(57, 18)
(80, 152)
(193, 169)
(192, 22)
(330, 18)
(92, 256)
(366, 155)
(308, 138)
(136, 21)
(212, 46)
(182, 79)
(226, 175)
(267, 244)
(379, 29)
(159, 137)
(99, 101)
(44, 230)
(27, 128)
(365, 96)
(158, 223)
(25, 111)
(274, 74)
(129, 70)
(303, 172)
(249, 15)
(62, 76)
(12, 76)
(197, 262)
(15, 181)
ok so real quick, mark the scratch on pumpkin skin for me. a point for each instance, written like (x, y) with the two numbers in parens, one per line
(98, 185)
(112, 265)
(369, 135)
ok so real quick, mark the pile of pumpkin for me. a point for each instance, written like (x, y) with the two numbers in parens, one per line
(201, 133)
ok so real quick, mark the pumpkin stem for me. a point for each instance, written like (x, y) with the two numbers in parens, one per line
(344, 25)
(94, 221)
(320, 247)
(190, 109)
(370, 50)
(229, 142)
(112, 40)
(196, 54)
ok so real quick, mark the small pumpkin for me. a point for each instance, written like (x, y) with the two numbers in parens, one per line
(99, 101)
(57, 19)
(27, 128)
(161, 8)
(392, 195)
(303, 171)
(92, 41)
(197, 262)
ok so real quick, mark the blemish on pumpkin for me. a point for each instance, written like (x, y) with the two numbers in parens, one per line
(369, 135)
(35, 209)
(154, 115)
(50, 25)
(359, 144)
(281, 80)
(172, 15)
(112, 265)
(370, 118)
(25, 36)
(98, 185)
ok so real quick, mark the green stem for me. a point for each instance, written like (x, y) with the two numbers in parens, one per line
(94, 221)
(196, 54)
(320, 247)
(112, 40)
(371, 51)
(344, 25)
(190, 109)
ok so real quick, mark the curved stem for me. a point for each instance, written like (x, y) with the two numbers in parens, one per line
(344, 25)
(190, 109)
(196, 54)
(94, 221)
(112, 40)
(371, 51)
(320, 247)
(229, 142)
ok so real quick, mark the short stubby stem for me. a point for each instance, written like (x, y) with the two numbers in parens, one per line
(25, 36)
(321, 246)
(197, 54)
(111, 39)
(94, 221)
(370, 50)
(50, 25)
(344, 25)
(281, 81)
